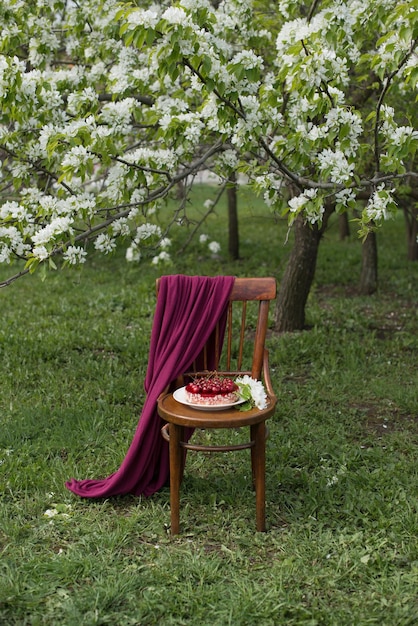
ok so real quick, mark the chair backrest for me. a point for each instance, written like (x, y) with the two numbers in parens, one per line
(245, 333)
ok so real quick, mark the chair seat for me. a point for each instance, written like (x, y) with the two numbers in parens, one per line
(175, 412)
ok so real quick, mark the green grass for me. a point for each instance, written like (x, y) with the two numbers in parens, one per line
(342, 507)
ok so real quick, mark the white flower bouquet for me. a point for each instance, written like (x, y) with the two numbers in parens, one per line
(252, 392)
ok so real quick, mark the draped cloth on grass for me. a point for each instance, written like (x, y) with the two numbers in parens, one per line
(187, 311)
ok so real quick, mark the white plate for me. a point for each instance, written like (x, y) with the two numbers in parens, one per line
(180, 396)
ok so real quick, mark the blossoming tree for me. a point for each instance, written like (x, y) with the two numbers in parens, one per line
(106, 107)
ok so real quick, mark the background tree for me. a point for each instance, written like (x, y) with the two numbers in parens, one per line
(107, 108)
(233, 222)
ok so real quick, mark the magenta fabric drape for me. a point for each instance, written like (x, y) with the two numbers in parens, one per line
(188, 308)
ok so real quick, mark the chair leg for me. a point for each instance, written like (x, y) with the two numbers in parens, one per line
(176, 471)
(258, 461)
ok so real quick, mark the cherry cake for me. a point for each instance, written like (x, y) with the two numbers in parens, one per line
(211, 390)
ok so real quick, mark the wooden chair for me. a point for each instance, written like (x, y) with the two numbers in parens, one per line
(236, 359)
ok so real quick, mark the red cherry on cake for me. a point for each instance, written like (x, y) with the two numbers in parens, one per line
(212, 385)
(193, 387)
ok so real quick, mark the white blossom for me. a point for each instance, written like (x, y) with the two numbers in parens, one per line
(227, 158)
(214, 247)
(86, 96)
(165, 243)
(13, 210)
(76, 156)
(344, 197)
(13, 243)
(312, 211)
(120, 227)
(162, 257)
(336, 163)
(48, 233)
(118, 115)
(104, 243)
(40, 252)
(5, 253)
(297, 202)
(143, 17)
(104, 128)
(175, 15)
(248, 59)
(132, 254)
(145, 231)
(74, 255)
(378, 206)
(194, 5)
(400, 134)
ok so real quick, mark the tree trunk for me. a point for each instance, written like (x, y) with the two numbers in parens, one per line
(413, 242)
(299, 273)
(181, 190)
(411, 219)
(368, 277)
(343, 226)
(297, 279)
(233, 231)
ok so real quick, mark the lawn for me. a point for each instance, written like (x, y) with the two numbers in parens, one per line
(341, 547)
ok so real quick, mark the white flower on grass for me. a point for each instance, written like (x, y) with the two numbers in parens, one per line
(252, 391)
(203, 238)
(214, 247)
(62, 511)
(74, 255)
(8, 452)
(332, 474)
(333, 480)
